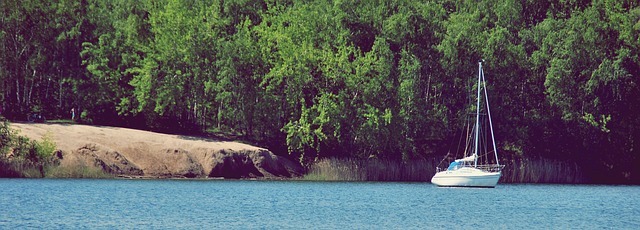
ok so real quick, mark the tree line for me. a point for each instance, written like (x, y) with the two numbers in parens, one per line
(345, 79)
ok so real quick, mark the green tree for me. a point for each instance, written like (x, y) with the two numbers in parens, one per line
(589, 83)
(27, 44)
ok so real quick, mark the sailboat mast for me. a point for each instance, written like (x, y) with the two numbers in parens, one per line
(493, 139)
(475, 154)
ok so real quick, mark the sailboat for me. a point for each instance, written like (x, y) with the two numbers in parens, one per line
(476, 168)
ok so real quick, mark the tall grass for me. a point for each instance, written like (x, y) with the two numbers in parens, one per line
(542, 171)
(521, 171)
(76, 171)
(370, 170)
(18, 168)
(15, 168)
(7, 169)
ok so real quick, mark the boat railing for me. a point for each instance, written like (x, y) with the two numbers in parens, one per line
(491, 167)
(487, 168)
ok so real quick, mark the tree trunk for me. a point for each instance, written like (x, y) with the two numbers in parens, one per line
(220, 113)
(60, 95)
(18, 91)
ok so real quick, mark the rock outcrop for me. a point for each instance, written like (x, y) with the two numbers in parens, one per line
(135, 153)
(108, 160)
(228, 163)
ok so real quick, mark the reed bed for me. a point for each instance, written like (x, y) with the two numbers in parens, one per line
(334, 169)
(18, 168)
(79, 171)
(520, 171)
(542, 171)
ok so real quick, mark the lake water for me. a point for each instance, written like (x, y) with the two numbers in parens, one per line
(218, 204)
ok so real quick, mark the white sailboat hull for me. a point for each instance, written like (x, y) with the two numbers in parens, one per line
(466, 177)
(466, 172)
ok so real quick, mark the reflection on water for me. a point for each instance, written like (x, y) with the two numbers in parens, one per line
(152, 204)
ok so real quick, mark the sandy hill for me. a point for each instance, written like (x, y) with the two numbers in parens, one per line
(130, 152)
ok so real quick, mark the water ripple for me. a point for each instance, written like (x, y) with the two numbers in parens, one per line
(180, 204)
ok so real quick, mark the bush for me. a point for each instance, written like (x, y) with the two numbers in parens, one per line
(21, 157)
(5, 137)
(46, 147)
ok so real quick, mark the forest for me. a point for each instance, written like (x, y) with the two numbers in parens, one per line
(322, 79)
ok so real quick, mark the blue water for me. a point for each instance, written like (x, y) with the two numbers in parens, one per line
(216, 204)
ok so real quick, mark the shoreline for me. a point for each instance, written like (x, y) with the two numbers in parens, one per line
(301, 179)
(85, 151)
(103, 151)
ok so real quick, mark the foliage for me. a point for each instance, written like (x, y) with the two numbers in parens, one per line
(347, 79)
(46, 146)
(21, 157)
(78, 171)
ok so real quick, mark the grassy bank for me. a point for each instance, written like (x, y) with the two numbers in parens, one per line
(22, 157)
(20, 169)
(521, 171)
(79, 171)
